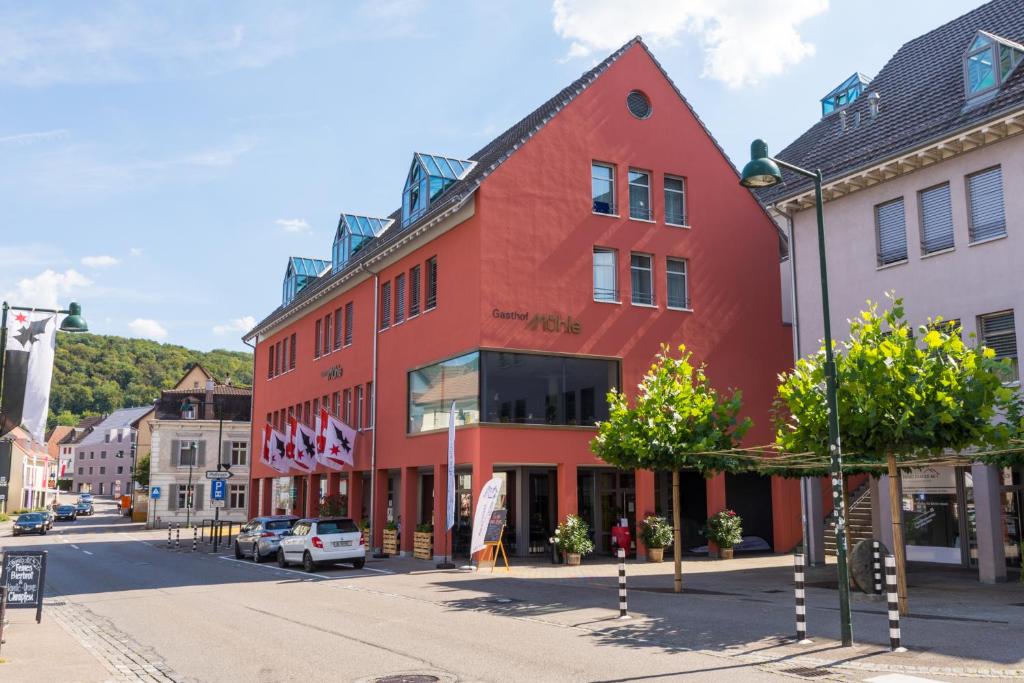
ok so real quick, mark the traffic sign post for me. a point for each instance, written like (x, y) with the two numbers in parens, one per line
(154, 492)
(217, 474)
(218, 497)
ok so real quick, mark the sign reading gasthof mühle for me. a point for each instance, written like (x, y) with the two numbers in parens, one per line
(24, 574)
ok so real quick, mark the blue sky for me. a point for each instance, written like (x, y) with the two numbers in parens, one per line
(159, 162)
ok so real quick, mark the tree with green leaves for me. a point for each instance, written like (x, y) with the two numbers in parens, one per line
(901, 397)
(677, 420)
(141, 474)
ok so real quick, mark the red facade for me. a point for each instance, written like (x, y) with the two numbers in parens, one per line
(524, 243)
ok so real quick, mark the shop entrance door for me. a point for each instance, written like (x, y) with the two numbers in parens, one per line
(541, 510)
(1013, 514)
(616, 496)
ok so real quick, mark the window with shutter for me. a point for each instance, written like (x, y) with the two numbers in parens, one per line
(291, 352)
(327, 334)
(414, 291)
(399, 298)
(172, 500)
(891, 232)
(316, 339)
(985, 199)
(431, 301)
(936, 219)
(385, 306)
(348, 323)
(998, 332)
(337, 329)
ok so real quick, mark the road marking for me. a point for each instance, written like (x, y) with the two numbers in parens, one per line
(74, 546)
(306, 575)
(87, 552)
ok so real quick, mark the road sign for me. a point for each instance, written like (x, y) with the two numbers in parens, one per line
(214, 474)
(219, 503)
(154, 492)
(218, 489)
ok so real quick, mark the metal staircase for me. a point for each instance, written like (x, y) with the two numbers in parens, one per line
(859, 521)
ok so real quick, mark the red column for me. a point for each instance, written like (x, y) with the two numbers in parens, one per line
(407, 509)
(355, 495)
(254, 497)
(644, 505)
(716, 500)
(441, 510)
(568, 496)
(381, 501)
(267, 501)
(297, 497)
(313, 495)
(333, 483)
(786, 514)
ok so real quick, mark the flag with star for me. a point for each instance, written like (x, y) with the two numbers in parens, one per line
(28, 368)
(273, 450)
(302, 445)
(336, 442)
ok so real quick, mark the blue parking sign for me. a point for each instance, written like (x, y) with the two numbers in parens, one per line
(218, 489)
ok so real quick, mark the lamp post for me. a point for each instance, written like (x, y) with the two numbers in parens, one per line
(763, 171)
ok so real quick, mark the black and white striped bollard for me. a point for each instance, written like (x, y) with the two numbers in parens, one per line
(622, 584)
(177, 537)
(169, 526)
(801, 604)
(876, 550)
(195, 538)
(894, 607)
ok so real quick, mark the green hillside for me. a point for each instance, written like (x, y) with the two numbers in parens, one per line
(97, 373)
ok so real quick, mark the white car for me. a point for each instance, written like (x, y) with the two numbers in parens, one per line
(312, 542)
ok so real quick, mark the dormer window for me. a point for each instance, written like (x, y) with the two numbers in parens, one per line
(300, 272)
(844, 94)
(188, 410)
(352, 235)
(988, 63)
(429, 176)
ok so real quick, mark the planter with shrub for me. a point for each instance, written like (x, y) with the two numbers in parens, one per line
(390, 546)
(423, 542)
(572, 537)
(724, 529)
(656, 534)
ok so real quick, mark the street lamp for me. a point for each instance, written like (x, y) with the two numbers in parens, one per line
(763, 171)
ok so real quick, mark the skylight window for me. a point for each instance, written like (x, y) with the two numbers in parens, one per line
(352, 235)
(847, 91)
(300, 272)
(429, 176)
(988, 63)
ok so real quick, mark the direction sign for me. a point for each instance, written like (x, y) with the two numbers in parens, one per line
(218, 489)
(215, 474)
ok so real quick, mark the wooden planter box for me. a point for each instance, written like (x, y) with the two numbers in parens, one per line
(390, 542)
(423, 545)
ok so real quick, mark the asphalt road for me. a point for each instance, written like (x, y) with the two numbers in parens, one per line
(203, 617)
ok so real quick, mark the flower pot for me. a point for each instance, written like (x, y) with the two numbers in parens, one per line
(725, 553)
(423, 545)
(655, 554)
(573, 559)
(390, 546)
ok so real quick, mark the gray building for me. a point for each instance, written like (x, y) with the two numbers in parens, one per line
(103, 459)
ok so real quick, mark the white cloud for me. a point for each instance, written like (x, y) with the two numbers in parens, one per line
(744, 41)
(136, 251)
(144, 327)
(22, 139)
(243, 324)
(293, 224)
(102, 261)
(48, 288)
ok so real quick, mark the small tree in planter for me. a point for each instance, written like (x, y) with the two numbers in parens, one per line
(390, 538)
(656, 533)
(725, 529)
(572, 537)
(423, 542)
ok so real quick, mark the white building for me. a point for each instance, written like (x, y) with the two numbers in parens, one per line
(194, 431)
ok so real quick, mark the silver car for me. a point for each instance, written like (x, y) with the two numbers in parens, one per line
(260, 538)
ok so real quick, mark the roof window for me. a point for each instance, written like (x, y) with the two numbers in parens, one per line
(988, 63)
(847, 91)
(353, 233)
(300, 272)
(429, 176)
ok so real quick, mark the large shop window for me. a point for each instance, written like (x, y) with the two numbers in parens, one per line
(524, 388)
(433, 389)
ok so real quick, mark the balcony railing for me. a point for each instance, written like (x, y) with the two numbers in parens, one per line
(643, 298)
(675, 218)
(678, 301)
(604, 207)
(640, 212)
(601, 294)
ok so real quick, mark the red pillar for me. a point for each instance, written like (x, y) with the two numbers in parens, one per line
(333, 483)
(568, 496)
(716, 500)
(313, 495)
(644, 505)
(297, 484)
(254, 497)
(441, 510)
(407, 509)
(381, 501)
(267, 504)
(355, 495)
(786, 514)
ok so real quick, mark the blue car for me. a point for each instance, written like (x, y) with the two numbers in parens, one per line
(30, 523)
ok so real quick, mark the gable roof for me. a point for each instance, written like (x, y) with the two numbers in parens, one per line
(122, 417)
(486, 160)
(922, 98)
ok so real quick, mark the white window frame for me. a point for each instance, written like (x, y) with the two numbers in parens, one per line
(614, 298)
(878, 232)
(613, 208)
(650, 209)
(182, 449)
(239, 453)
(983, 339)
(682, 193)
(669, 261)
(650, 275)
(970, 205)
(921, 219)
(236, 496)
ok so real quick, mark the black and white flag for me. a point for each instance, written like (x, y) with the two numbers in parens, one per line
(28, 368)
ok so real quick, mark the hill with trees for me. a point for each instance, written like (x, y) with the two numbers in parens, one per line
(95, 374)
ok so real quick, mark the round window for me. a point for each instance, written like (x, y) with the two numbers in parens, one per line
(638, 104)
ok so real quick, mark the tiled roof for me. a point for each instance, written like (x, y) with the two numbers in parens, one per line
(81, 430)
(921, 92)
(117, 419)
(219, 390)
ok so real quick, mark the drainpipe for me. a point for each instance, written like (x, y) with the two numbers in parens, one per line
(252, 445)
(373, 412)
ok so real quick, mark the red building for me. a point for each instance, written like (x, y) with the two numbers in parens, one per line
(522, 283)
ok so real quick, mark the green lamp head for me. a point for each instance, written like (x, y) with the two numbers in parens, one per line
(74, 322)
(760, 171)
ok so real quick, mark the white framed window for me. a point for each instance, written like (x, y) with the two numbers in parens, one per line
(185, 496)
(188, 451)
(240, 453)
(890, 232)
(236, 496)
(677, 291)
(602, 188)
(998, 331)
(605, 275)
(936, 219)
(986, 214)
(675, 200)
(640, 195)
(359, 408)
(642, 279)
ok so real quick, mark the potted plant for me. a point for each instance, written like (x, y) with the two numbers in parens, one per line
(390, 538)
(423, 542)
(724, 529)
(656, 533)
(572, 537)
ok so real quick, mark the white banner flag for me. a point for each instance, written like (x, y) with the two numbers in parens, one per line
(274, 445)
(484, 508)
(450, 520)
(28, 369)
(302, 444)
(335, 442)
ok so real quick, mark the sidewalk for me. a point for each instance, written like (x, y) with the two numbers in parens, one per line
(29, 644)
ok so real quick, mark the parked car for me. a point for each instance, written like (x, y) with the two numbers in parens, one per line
(261, 536)
(48, 516)
(85, 498)
(67, 512)
(83, 508)
(312, 542)
(30, 523)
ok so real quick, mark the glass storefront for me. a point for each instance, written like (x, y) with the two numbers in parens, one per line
(934, 523)
(432, 390)
(604, 497)
(1012, 503)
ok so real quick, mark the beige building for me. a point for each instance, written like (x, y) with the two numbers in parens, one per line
(924, 196)
(24, 465)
